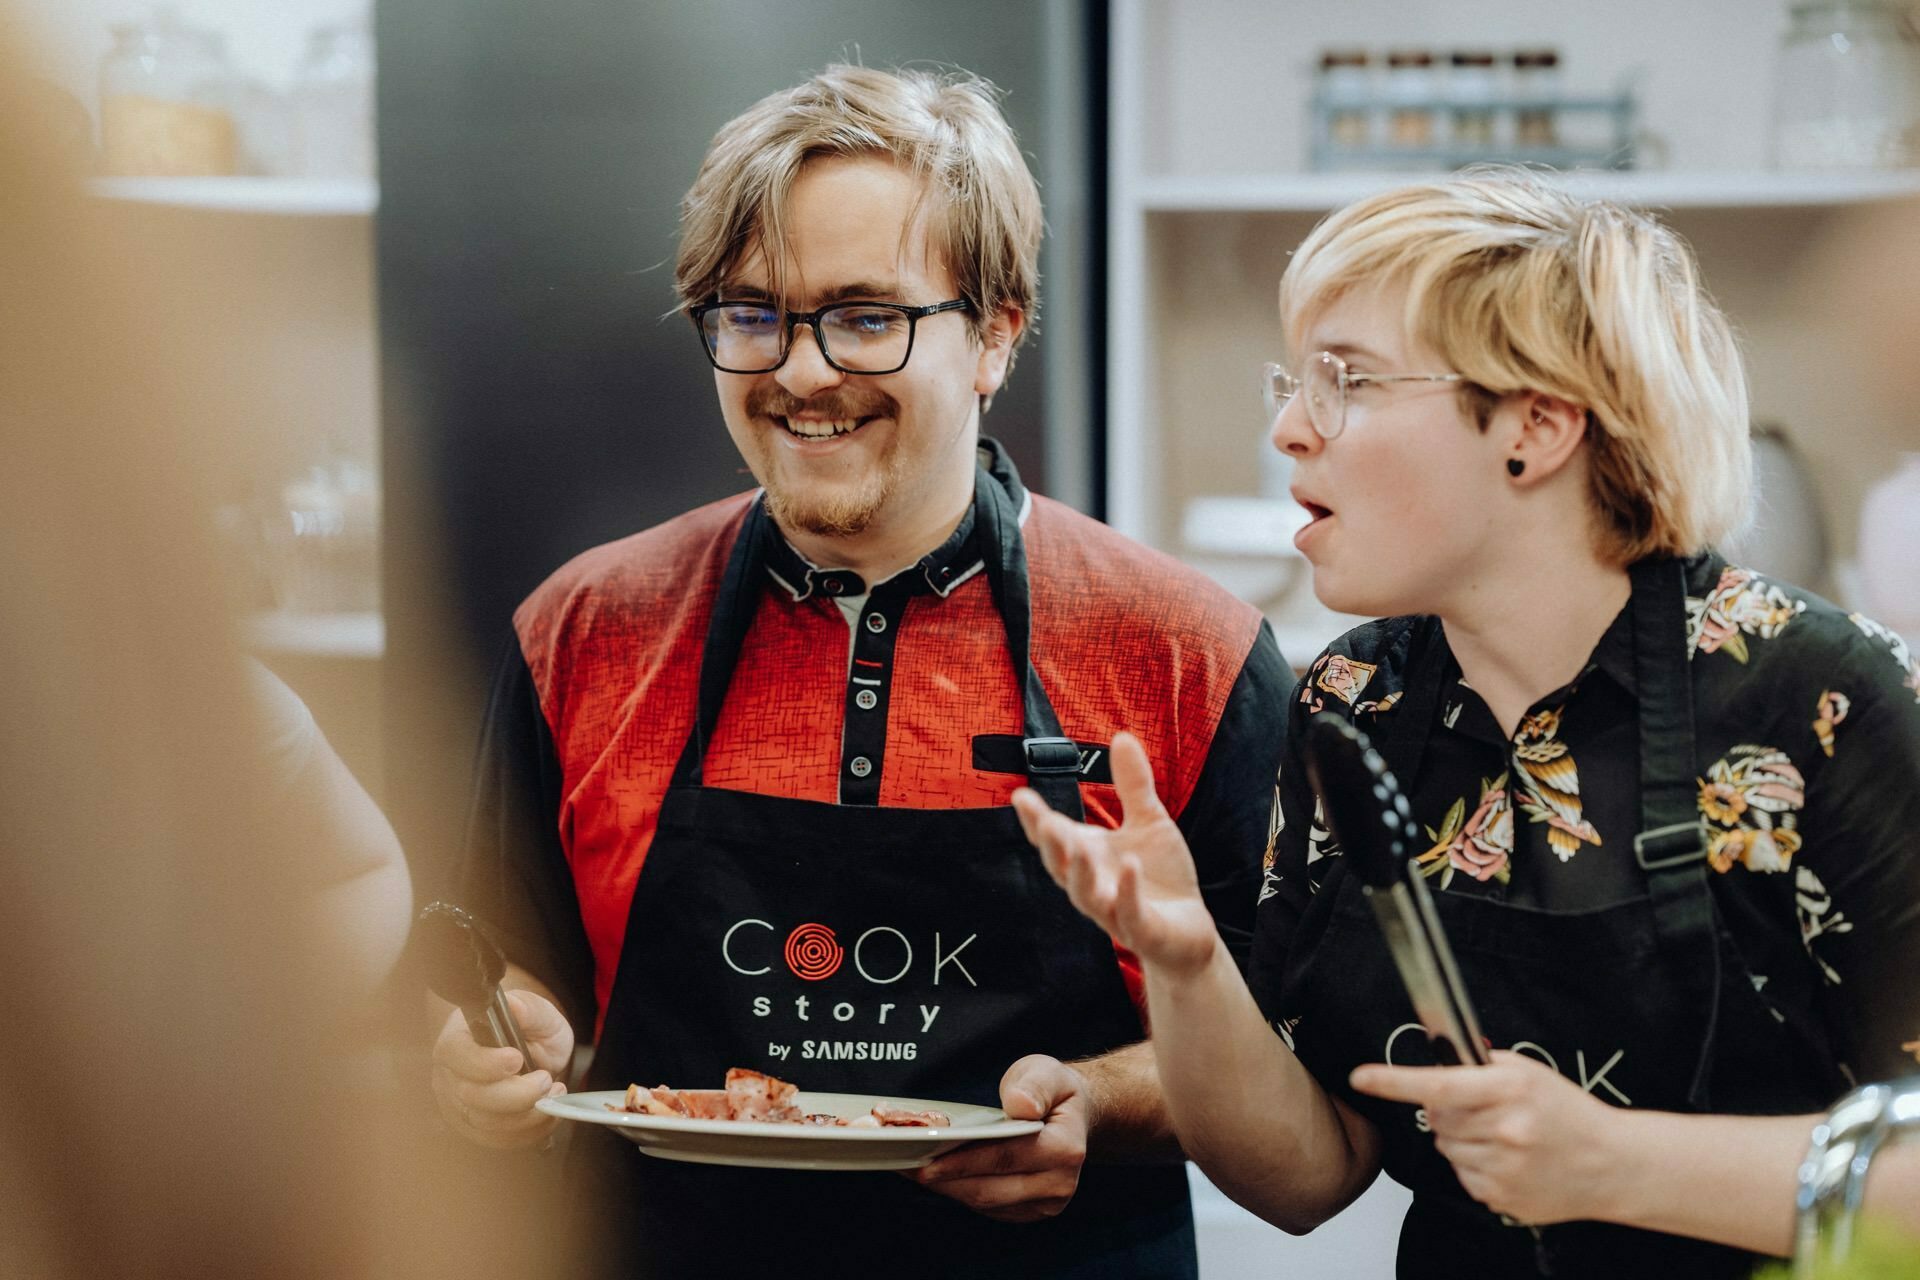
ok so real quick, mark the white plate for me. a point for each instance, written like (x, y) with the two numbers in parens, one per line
(763, 1145)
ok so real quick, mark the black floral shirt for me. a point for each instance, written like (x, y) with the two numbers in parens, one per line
(1807, 734)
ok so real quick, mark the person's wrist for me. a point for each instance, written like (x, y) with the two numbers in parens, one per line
(1619, 1143)
(1192, 961)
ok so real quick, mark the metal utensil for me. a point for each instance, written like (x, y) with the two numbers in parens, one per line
(464, 965)
(1368, 815)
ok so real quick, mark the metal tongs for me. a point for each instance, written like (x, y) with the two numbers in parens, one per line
(1368, 815)
(464, 965)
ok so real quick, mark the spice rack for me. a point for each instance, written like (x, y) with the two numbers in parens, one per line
(1590, 133)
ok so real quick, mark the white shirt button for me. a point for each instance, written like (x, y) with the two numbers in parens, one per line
(876, 622)
(860, 766)
(866, 699)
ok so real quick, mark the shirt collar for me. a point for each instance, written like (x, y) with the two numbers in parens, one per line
(1614, 654)
(939, 571)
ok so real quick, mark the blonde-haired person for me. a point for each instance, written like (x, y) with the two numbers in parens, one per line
(745, 799)
(1519, 424)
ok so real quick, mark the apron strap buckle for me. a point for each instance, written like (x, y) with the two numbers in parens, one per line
(1673, 846)
(1048, 756)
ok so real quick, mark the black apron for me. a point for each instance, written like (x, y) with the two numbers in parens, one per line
(914, 953)
(1644, 1003)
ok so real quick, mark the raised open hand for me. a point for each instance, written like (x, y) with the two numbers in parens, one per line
(1136, 882)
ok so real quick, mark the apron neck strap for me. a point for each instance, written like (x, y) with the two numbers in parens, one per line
(1053, 760)
(1671, 847)
(1403, 737)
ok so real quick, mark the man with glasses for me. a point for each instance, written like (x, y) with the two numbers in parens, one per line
(745, 796)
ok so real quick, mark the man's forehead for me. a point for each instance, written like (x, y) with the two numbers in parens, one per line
(820, 278)
(849, 228)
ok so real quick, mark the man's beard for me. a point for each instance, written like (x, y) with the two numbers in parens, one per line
(803, 508)
(837, 515)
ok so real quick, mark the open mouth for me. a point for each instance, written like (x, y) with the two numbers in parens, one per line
(823, 428)
(1315, 511)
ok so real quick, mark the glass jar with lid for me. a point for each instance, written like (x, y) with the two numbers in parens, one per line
(1471, 91)
(1411, 92)
(1346, 90)
(1536, 88)
(1847, 87)
(333, 102)
(166, 102)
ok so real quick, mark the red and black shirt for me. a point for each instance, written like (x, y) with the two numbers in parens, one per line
(913, 702)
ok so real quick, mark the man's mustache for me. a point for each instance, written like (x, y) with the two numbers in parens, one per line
(779, 403)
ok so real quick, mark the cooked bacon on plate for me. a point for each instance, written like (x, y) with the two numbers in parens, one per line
(901, 1118)
(752, 1095)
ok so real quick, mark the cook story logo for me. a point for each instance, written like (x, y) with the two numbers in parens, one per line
(812, 953)
(879, 957)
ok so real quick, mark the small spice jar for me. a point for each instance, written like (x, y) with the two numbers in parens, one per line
(1536, 87)
(166, 102)
(1472, 91)
(1346, 91)
(1410, 95)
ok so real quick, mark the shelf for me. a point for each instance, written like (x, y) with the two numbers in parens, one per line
(318, 635)
(294, 197)
(1319, 192)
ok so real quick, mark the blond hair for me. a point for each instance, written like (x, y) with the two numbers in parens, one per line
(1520, 286)
(946, 129)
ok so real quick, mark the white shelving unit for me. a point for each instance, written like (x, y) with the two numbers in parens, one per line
(294, 197)
(293, 258)
(1322, 192)
(1208, 125)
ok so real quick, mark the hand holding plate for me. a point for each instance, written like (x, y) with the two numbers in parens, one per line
(1027, 1178)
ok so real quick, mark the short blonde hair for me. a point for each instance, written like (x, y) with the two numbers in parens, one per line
(1520, 286)
(946, 128)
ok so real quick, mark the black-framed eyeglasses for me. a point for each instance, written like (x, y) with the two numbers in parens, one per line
(1324, 387)
(855, 337)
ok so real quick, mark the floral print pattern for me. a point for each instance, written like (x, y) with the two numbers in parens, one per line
(1897, 648)
(1751, 801)
(1276, 825)
(1550, 783)
(1814, 907)
(1338, 675)
(1480, 844)
(1827, 715)
(1741, 604)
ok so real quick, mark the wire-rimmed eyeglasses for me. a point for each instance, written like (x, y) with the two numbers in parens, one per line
(1325, 383)
(854, 337)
